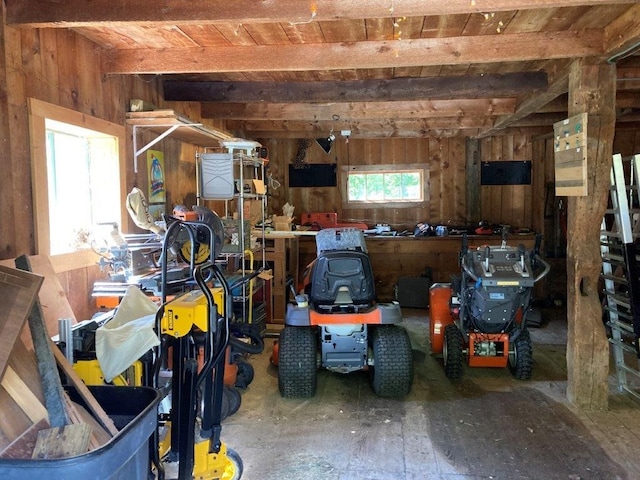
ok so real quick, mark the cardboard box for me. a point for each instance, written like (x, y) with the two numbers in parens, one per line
(282, 223)
(231, 236)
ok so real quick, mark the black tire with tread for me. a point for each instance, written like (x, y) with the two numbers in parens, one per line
(521, 356)
(392, 373)
(297, 362)
(453, 352)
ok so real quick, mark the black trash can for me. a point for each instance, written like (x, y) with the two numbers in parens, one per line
(125, 457)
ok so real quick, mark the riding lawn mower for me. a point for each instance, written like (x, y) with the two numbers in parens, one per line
(336, 323)
(481, 317)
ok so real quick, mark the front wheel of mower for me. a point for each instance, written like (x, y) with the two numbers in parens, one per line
(521, 356)
(453, 351)
(392, 371)
(297, 362)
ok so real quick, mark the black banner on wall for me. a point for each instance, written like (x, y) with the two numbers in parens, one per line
(314, 175)
(511, 172)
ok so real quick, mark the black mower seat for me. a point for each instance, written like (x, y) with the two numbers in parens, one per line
(339, 275)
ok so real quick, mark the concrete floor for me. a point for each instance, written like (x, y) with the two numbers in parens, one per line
(485, 426)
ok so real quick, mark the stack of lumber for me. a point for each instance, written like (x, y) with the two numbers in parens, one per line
(38, 419)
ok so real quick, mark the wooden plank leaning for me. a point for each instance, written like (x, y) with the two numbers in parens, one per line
(51, 384)
(46, 351)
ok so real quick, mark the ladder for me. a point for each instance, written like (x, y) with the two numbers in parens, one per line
(621, 269)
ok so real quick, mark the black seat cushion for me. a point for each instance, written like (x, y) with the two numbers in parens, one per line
(342, 268)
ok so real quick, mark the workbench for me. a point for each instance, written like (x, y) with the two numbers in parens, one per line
(398, 256)
(282, 256)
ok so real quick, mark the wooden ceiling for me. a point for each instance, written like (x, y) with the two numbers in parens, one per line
(392, 68)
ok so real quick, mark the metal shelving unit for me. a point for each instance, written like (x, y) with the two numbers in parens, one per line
(245, 165)
(248, 182)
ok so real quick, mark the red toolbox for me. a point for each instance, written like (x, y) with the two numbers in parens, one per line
(325, 220)
(328, 220)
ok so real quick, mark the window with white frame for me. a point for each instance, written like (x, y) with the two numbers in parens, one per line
(388, 184)
(76, 177)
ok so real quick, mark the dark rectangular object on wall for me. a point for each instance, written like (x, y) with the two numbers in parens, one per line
(512, 172)
(314, 175)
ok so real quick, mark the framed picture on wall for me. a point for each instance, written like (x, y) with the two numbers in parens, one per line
(155, 174)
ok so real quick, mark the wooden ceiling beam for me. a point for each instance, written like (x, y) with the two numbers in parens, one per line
(420, 52)
(551, 101)
(358, 126)
(622, 36)
(400, 89)
(382, 133)
(540, 120)
(360, 110)
(366, 134)
(533, 102)
(103, 13)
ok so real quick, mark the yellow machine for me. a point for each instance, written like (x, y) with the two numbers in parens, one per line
(194, 330)
(189, 310)
(91, 374)
(184, 317)
(194, 350)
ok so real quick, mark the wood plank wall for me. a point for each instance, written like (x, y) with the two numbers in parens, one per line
(446, 161)
(60, 67)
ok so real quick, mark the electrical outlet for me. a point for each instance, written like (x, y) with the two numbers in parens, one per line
(345, 133)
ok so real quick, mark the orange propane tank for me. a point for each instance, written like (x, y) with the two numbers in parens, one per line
(439, 314)
(274, 354)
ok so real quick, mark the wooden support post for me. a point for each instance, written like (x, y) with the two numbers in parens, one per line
(474, 208)
(592, 90)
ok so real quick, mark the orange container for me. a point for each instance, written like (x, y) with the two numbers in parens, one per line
(439, 314)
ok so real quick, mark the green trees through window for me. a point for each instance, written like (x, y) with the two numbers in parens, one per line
(396, 186)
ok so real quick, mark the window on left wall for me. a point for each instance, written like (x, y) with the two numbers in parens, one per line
(76, 175)
(83, 183)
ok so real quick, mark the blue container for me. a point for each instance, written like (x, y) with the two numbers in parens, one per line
(124, 457)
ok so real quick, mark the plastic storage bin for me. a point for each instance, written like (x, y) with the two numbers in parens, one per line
(124, 457)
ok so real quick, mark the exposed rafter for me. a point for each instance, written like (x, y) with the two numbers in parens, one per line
(361, 110)
(622, 36)
(74, 13)
(364, 128)
(385, 68)
(495, 86)
(370, 54)
(532, 102)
